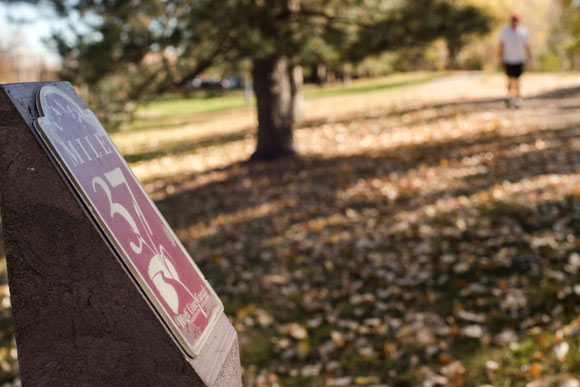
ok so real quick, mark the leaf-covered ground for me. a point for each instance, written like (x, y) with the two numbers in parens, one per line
(427, 236)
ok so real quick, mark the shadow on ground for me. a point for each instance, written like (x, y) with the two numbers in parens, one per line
(398, 265)
(444, 111)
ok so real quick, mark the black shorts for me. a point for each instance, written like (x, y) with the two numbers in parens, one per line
(514, 70)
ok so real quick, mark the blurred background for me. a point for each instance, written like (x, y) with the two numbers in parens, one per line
(392, 223)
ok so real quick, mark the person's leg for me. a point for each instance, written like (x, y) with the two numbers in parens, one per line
(518, 74)
(517, 87)
(517, 83)
(508, 81)
(509, 96)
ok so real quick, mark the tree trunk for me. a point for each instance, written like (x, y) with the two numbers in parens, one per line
(453, 49)
(296, 82)
(346, 75)
(273, 89)
(321, 73)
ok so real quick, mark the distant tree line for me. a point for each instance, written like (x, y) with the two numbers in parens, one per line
(565, 40)
(134, 50)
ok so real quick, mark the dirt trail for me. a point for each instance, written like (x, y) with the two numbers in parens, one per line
(460, 87)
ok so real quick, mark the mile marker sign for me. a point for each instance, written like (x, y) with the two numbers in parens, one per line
(138, 232)
(102, 292)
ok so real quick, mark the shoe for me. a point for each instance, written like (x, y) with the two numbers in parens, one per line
(517, 103)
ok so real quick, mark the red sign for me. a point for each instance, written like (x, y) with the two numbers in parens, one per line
(139, 233)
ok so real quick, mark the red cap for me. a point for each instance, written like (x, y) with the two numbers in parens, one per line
(515, 16)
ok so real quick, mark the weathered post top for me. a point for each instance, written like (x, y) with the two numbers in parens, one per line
(102, 290)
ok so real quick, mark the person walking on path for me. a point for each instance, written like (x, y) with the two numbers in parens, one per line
(515, 53)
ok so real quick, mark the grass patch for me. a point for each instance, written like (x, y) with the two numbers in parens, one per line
(388, 83)
(258, 349)
(172, 111)
(178, 106)
(300, 381)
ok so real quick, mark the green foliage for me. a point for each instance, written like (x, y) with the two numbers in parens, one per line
(137, 49)
(407, 26)
(564, 41)
(459, 24)
(571, 24)
(551, 61)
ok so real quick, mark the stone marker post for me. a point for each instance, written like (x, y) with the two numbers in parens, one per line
(103, 293)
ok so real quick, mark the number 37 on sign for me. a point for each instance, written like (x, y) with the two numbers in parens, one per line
(138, 232)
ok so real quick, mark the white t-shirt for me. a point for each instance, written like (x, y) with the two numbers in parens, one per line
(514, 44)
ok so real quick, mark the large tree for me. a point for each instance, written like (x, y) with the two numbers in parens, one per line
(460, 23)
(139, 48)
